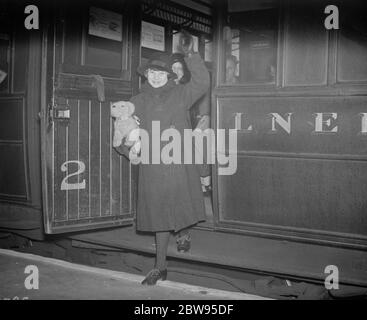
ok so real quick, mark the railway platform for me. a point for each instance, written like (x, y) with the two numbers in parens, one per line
(32, 277)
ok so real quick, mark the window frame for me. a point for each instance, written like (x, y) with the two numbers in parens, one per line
(331, 87)
(80, 67)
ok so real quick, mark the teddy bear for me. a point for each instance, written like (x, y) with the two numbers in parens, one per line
(125, 125)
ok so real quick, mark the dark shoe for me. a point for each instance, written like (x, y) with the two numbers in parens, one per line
(154, 275)
(183, 243)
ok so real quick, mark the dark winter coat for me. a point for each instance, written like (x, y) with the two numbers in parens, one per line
(169, 195)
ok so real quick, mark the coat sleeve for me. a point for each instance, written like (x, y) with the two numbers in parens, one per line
(199, 83)
(204, 105)
(137, 101)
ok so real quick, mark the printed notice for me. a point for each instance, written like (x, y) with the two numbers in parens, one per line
(105, 24)
(152, 36)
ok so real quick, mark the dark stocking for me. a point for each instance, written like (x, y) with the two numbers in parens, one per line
(161, 239)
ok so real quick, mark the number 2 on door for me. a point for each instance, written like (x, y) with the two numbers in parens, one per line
(72, 186)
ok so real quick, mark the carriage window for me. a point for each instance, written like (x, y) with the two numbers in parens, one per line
(98, 45)
(104, 40)
(5, 49)
(4, 62)
(352, 47)
(208, 50)
(251, 45)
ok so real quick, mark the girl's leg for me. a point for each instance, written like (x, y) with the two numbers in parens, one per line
(161, 239)
(160, 270)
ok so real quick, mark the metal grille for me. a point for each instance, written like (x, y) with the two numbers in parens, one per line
(178, 15)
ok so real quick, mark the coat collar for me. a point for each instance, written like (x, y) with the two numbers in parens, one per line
(147, 88)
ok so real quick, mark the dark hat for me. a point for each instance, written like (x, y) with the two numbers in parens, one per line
(158, 61)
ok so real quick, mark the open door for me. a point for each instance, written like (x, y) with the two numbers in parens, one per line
(87, 65)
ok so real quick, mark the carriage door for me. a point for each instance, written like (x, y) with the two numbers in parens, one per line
(87, 185)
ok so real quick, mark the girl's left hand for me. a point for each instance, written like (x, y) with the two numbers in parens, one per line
(186, 43)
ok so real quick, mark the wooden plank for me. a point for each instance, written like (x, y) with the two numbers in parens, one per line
(116, 180)
(72, 195)
(84, 129)
(60, 158)
(49, 215)
(95, 159)
(125, 181)
(105, 159)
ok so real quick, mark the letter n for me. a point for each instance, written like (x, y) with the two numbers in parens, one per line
(32, 21)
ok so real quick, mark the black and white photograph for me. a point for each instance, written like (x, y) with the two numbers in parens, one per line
(183, 157)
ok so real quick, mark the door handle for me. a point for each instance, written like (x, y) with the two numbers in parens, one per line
(62, 114)
(59, 112)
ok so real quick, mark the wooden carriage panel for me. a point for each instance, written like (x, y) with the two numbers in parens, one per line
(91, 182)
(315, 195)
(14, 107)
(88, 184)
(13, 180)
(342, 132)
(299, 182)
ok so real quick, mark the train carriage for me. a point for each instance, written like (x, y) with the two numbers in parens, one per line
(296, 98)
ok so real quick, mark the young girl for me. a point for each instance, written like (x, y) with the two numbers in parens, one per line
(169, 195)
